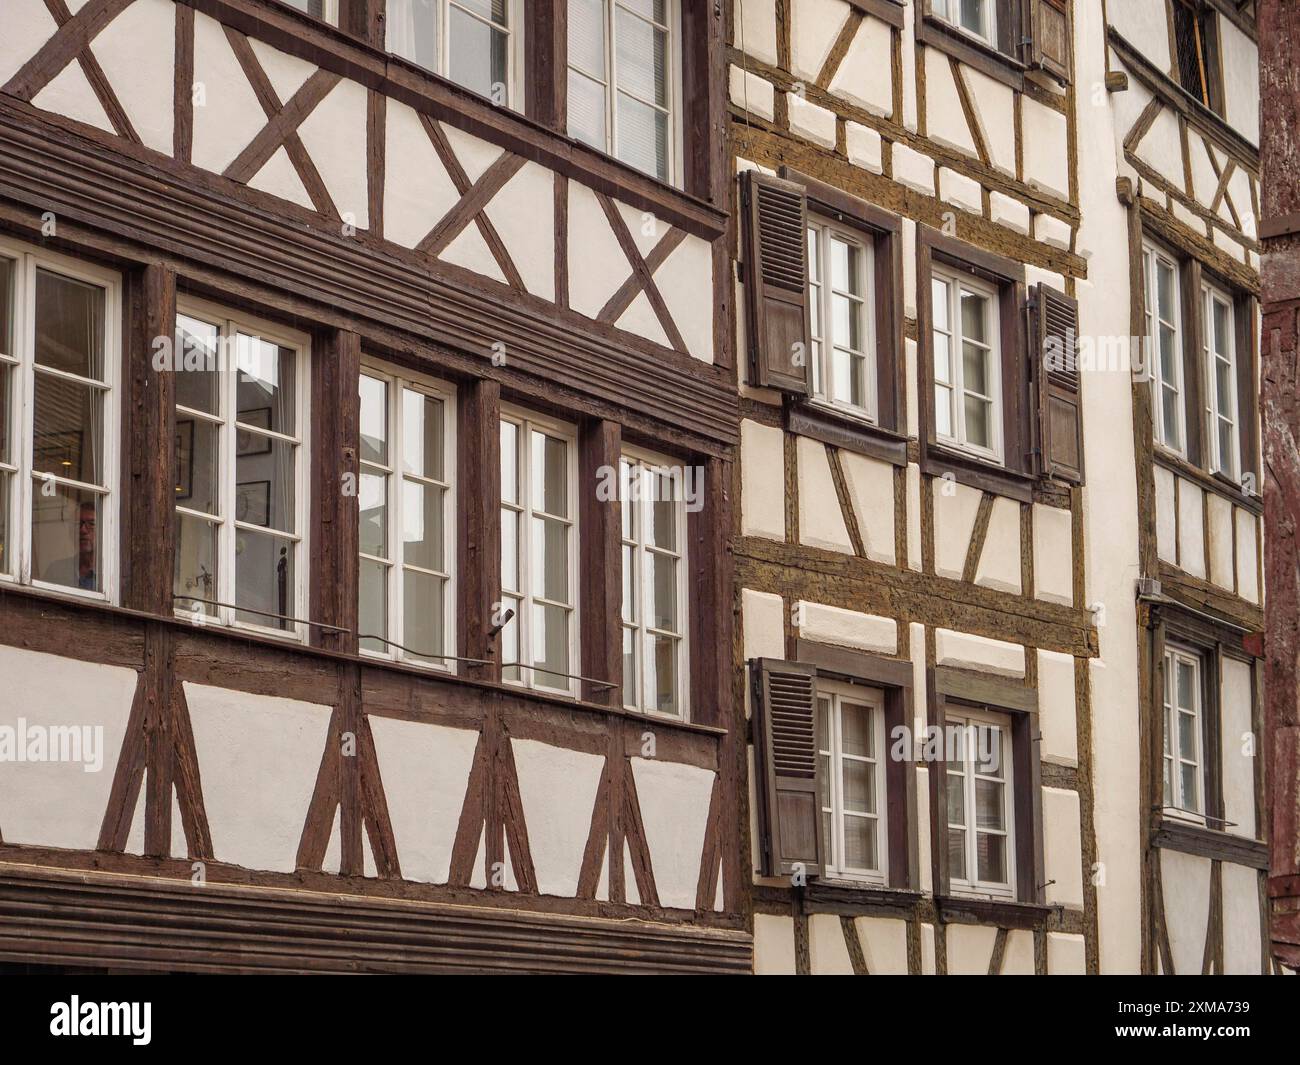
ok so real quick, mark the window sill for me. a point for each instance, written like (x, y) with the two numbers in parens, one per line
(1214, 843)
(937, 460)
(830, 425)
(969, 49)
(1211, 482)
(984, 909)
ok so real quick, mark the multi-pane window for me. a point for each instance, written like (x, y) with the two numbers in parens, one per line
(622, 80)
(980, 845)
(851, 785)
(976, 17)
(654, 576)
(322, 9)
(472, 42)
(967, 370)
(1221, 367)
(839, 301)
(539, 544)
(240, 495)
(58, 447)
(1182, 750)
(1164, 327)
(1196, 42)
(406, 513)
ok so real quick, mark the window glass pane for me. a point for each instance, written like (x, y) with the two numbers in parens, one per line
(661, 674)
(844, 267)
(860, 843)
(373, 504)
(1226, 455)
(68, 429)
(859, 795)
(956, 799)
(663, 591)
(974, 316)
(7, 377)
(664, 496)
(846, 319)
(973, 15)
(496, 10)
(855, 723)
(550, 646)
(6, 548)
(550, 459)
(978, 417)
(1169, 409)
(1221, 331)
(550, 559)
(956, 854)
(849, 380)
(629, 498)
(1187, 745)
(264, 481)
(1165, 282)
(1186, 685)
(814, 257)
(943, 410)
(264, 577)
(1191, 789)
(423, 610)
(587, 111)
(264, 391)
(991, 855)
(988, 751)
(974, 368)
(629, 667)
(642, 136)
(939, 304)
(197, 364)
(372, 604)
(942, 359)
(69, 325)
(509, 462)
(477, 55)
(422, 525)
(587, 36)
(510, 640)
(630, 612)
(641, 59)
(651, 9)
(374, 420)
(510, 550)
(1168, 357)
(1223, 387)
(412, 30)
(198, 458)
(6, 306)
(422, 434)
(195, 572)
(988, 804)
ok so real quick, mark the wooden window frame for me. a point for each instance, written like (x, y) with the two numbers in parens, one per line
(1014, 475)
(397, 381)
(967, 692)
(527, 420)
(884, 438)
(893, 679)
(27, 260)
(1000, 59)
(647, 460)
(227, 318)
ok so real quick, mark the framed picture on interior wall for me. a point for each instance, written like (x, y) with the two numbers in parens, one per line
(184, 458)
(247, 443)
(253, 503)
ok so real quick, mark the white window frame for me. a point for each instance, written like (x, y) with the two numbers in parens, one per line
(514, 30)
(971, 718)
(27, 261)
(823, 292)
(642, 632)
(228, 323)
(396, 384)
(956, 284)
(1152, 259)
(1215, 407)
(837, 693)
(950, 12)
(673, 27)
(526, 421)
(1173, 756)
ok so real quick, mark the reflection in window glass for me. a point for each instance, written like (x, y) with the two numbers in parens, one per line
(468, 41)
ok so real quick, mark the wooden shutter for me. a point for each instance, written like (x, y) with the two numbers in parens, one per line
(1049, 37)
(776, 283)
(1056, 380)
(785, 752)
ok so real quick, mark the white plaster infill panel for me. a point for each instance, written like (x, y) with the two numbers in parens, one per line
(425, 770)
(28, 25)
(61, 727)
(847, 628)
(968, 651)
(557, 788)
(258, 759)
(674, 800)
(418, 191)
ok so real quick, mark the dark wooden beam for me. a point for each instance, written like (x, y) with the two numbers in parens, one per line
(335, 429)
(601, 571)
(148, 444)
(546, 59)
(478, 511)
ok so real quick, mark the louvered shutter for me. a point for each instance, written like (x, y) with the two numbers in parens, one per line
(776, 282)
(1057, 381)
(785, 751)
(1049, 37)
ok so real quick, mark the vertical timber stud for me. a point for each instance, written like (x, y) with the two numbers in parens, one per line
(599, 514)
(148, 444)
(546, 44)
(1279, 39)
(478, 507)
(335, 372)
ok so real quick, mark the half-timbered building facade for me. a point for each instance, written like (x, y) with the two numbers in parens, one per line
(333, 334)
